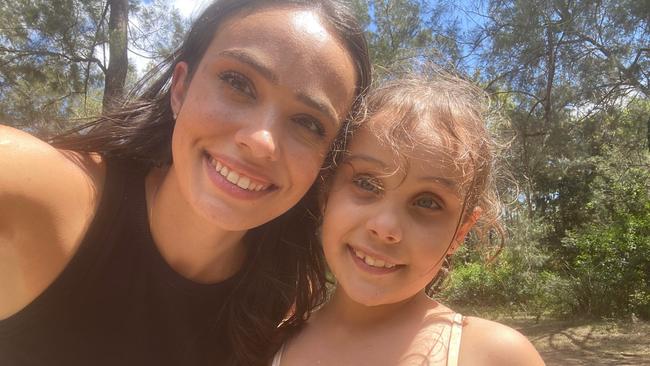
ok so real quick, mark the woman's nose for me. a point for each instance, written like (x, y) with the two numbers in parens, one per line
(259, 140)
(385, 226)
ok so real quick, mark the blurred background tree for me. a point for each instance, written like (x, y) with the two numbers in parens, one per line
(570, 77)
(54, 55)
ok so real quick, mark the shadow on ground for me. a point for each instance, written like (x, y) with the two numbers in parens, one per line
(581, 343)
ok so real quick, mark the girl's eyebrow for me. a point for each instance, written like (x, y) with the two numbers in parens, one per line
(367, 159)
(443, 181)
(446, 183)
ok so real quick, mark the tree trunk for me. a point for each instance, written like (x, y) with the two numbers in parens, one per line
(550, 76)
(118, 61)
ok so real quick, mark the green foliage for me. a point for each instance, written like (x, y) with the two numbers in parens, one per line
(410, 31)
(611, 269)
(611, 273)
(515, 281)
(53, 56)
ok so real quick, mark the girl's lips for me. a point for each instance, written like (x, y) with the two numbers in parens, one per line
(232, 189)
(372, 269)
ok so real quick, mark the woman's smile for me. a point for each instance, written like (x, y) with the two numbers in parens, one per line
(236, 180)
(252, 130)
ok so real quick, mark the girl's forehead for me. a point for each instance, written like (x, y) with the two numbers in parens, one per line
(410, 137)
(416, 147)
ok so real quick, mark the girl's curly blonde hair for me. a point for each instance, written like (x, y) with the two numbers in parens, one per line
(443, 114)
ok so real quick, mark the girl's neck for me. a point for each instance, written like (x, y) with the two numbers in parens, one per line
(345, 312)
(193, 246)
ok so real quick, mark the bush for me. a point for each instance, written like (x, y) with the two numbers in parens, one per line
(612, 271)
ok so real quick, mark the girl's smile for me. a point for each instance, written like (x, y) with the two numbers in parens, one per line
(388, 224)
(372, 263)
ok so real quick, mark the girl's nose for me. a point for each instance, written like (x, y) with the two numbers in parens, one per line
(385, 226)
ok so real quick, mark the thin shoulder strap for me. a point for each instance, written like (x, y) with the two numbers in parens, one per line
(454, 340)
(277, 359)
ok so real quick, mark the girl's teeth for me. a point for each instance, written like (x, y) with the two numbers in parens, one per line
(224, 171)
(218, 166)
(372, 261)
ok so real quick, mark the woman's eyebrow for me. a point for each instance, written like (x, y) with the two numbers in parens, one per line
(313, 102)
(252, 61)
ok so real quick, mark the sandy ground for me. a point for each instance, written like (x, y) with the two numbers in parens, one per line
(582, 343)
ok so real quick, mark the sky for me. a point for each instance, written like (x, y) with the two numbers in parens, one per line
(189, 8)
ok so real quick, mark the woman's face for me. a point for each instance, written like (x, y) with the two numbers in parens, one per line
(258, 116)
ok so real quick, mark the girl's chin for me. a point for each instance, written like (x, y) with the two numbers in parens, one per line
(371, 298)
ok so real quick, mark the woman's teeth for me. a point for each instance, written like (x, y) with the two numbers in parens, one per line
(235, 178)
(373, 262)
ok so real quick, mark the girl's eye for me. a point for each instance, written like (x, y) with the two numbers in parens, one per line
(238, 82)
(427, 202)
(311, 124)
(368, 184)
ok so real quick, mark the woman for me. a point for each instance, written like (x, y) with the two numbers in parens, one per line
(160, 234)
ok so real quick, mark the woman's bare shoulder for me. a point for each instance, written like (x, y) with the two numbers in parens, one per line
(34, 170)
(48, 197)
(485, 342)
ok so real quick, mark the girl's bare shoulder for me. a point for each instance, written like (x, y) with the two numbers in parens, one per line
(485, 342)
(48, 198)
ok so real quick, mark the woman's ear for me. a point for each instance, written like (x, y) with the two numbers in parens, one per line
(179, 87)
(464, 228)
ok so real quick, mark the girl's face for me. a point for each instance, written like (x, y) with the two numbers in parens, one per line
(259, 114)
(386, 230)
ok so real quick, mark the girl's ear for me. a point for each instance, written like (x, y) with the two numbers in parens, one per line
(464, 228)
(178, 87)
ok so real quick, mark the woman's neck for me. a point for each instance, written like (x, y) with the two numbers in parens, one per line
(193, 246)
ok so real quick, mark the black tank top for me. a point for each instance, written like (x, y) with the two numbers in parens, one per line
(118, 302)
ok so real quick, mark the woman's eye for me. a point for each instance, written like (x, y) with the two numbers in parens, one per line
(427, 202)
(238, 82)
(368, 184)
(311, 124)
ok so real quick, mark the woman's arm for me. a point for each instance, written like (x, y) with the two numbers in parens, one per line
(47, 199)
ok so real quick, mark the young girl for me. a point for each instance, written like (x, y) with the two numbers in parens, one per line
(416, 179)
(174, 231)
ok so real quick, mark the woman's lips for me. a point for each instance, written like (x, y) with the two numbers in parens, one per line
(236, 183)
(239, 179)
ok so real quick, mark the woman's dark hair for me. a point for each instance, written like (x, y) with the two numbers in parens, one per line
(283, 279)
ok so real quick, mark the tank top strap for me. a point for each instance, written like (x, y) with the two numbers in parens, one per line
(277, 359)
(453, 350)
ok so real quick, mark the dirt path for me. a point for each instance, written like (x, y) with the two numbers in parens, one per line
(588, 343)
